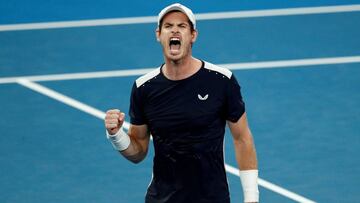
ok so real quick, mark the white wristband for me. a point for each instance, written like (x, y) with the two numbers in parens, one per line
(249, 182)
(120, 140)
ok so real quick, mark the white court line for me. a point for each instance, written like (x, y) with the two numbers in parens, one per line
(99, 114)
(201, 16)
(272, 187)
(231, 66)
(64, 99)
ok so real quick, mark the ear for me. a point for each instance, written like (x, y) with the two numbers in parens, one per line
(194, 35)
(157, 33)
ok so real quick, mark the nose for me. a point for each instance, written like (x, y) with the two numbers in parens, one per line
(175, 29)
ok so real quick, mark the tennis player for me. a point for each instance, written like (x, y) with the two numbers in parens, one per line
(185, 105)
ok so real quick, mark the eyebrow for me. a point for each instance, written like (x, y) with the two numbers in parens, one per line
(182, 23)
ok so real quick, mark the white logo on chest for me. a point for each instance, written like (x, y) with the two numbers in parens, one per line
(203, 98)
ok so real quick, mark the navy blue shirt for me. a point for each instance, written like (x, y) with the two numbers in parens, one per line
(187, 119)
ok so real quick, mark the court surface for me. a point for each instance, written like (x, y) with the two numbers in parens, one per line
(298, 64)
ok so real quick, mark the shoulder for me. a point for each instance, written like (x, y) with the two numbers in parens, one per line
(224, 71)
(143, 79)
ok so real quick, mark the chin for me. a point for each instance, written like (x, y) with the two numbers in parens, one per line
(174, 57)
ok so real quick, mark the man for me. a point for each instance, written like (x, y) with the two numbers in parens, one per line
(184, 105)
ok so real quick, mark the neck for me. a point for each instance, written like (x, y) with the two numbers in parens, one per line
(181, 69)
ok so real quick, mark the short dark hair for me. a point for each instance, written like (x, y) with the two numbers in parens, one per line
(190, 23)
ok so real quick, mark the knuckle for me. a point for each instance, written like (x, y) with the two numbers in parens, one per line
(110, 126)
(110, 111)
(115, 121)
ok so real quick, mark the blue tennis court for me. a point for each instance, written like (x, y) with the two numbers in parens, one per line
(298, 64)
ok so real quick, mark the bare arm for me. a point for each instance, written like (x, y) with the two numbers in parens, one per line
(246, 158)
(136, 141)
(244, 144)
(138, 148)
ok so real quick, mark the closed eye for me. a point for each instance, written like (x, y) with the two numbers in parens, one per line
(167, 25)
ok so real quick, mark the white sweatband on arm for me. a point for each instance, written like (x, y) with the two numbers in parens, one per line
(249, 182)
(120, 140)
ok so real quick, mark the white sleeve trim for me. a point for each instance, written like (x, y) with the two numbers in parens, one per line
(143, 79)
(218, 69)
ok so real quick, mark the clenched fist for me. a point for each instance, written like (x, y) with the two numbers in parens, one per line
(114, 119)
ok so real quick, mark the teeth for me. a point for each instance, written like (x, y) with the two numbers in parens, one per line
(175, 39)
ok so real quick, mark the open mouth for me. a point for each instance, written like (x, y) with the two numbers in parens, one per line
(174, 44)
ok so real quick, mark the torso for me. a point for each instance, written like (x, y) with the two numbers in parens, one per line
(186, 122)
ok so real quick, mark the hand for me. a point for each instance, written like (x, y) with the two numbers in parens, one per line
(114, 119)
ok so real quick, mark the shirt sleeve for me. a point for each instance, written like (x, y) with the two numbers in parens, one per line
(136, 111)
(235, 106)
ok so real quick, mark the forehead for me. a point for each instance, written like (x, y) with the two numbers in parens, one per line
(175, 17)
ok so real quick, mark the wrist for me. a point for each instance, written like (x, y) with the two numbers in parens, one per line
(249, 182)
(120, 140)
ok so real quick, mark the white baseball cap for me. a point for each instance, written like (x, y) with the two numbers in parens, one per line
(178, 7)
